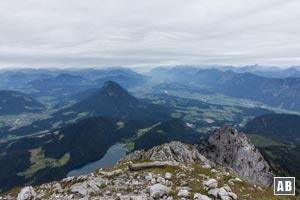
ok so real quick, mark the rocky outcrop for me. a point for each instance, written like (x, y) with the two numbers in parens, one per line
(171, 171)
(185, 175)
(172, 152)
(228, 148)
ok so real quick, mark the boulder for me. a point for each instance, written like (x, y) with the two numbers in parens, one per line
(80, 188)
(183, 193)
(223, 193)
(112, 173)
(210, 184)
(158, 190)
(168, 176)
(198, 196)
(58, 188)
(26, 193)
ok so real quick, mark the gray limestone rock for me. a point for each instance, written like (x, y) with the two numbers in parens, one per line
(223, 193)
(198, 196)
(26, 193)
(183, 193)
(80, 188)
(210, 184)
(158, 190)
(229, 148)
(173, 152)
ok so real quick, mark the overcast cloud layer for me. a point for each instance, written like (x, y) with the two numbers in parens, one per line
(78, 33)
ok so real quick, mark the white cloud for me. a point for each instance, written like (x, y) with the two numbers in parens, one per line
(65, 33)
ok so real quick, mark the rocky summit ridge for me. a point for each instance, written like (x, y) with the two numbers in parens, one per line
(170, 171)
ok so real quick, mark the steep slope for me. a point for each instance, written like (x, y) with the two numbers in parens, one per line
(277, 137)
(281, 127)
(285, 158)
(229, 148)
(178, 172)
(171, 130)
(12, 102)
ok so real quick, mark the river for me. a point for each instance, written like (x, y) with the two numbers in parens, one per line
(113, 154)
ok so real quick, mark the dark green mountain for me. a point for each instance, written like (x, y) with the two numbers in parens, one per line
(281, 127)
(110, 100)
(171, 130)
(12, 102)
(114, 100)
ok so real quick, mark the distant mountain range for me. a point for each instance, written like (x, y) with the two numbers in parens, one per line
(61, 80)
(276, 92)
(250, 82)
(282, 93)
(12, 102)
(270, 72)
(59, 84)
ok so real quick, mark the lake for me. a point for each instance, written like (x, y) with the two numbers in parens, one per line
(113, 154)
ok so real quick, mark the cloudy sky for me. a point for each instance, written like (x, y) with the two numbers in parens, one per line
(78, 33)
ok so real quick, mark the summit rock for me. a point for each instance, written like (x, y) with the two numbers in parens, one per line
(228, 148)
